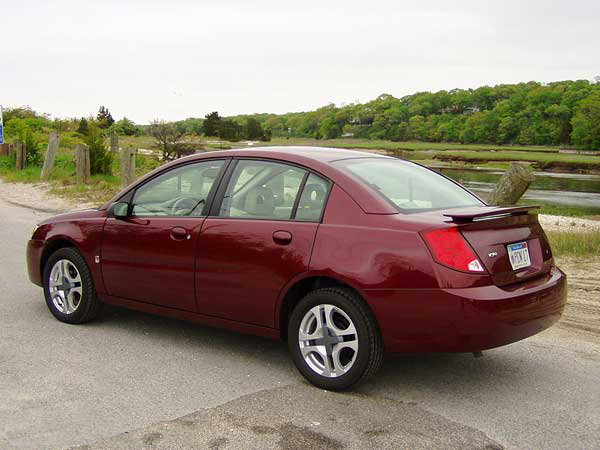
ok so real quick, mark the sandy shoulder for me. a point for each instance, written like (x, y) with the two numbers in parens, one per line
(38, 196)
(563, 223)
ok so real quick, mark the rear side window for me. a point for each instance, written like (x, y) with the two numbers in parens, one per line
(262, 190)
(312, 200)
(408, 186)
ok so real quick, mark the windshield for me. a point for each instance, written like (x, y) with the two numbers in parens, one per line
(410, 187)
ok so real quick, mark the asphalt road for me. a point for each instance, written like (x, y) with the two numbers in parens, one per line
(132, 380)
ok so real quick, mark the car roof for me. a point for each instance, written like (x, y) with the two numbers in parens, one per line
(318, 159)
(293, 153)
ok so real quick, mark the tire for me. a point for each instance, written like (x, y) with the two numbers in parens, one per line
(69, 287)
(351, 352)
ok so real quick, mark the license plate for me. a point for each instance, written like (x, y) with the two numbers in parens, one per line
(518, 254)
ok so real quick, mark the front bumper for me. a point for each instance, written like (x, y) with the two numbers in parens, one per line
(35, 249)
(469, 319)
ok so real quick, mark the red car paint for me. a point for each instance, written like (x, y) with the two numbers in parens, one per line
(242, 274)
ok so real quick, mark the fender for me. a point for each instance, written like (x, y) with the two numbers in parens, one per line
(303, 276)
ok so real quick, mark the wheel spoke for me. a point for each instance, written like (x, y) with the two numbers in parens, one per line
(303, 337)
(328, 367)
(308, 349)
(330, 310)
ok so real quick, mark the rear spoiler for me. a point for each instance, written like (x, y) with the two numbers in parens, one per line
(487, 212)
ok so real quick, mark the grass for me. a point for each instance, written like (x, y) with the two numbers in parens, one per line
(584, 212)
(568, 243)
(543, 160)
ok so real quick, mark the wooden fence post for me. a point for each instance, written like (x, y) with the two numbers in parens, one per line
(50, 154)
(512, 185)
(127, 166)
(114, 142)
(5, 149)
(21, 157)
(82, 163)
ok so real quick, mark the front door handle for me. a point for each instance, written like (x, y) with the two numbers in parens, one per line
(282, 237)
(179, 234)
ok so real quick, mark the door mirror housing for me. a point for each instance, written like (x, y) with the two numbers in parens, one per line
(120, 210)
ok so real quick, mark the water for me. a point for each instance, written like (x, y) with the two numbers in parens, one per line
(549, 187)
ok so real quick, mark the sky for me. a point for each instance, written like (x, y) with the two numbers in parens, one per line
(174, 59)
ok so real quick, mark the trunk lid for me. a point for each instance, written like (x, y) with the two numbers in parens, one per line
(491, 230)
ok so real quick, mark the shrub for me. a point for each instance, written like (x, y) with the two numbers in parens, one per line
(100, 157)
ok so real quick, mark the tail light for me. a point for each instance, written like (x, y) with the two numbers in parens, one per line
(450, 248)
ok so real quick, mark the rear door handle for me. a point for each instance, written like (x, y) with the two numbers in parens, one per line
(179, 234)
(282, 237)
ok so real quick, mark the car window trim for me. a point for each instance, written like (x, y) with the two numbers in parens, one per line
(325, 201)
(299, 195)
(216, 205)
(209, 199)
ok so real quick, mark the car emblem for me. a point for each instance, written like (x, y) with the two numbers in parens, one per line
(492, 254)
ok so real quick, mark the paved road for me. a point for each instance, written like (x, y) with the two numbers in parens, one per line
(135, 381)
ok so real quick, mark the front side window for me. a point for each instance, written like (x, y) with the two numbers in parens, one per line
(182, 191)
(410, 187)
(262, 190)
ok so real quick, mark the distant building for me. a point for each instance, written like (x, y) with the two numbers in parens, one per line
(471, 110)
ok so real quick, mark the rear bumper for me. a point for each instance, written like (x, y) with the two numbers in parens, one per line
(470, 319)
(34, 257)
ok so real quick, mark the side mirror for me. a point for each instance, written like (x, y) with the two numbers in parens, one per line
(120, 210)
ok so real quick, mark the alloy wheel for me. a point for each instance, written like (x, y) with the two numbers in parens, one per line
(65, 286)
(328, 340)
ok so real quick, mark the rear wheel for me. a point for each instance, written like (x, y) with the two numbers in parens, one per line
(334, 339)
(69, 287)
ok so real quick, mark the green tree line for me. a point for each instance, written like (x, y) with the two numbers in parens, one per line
(558, 113)
(563, 112)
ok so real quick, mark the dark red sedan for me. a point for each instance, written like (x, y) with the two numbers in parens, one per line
(344, 254)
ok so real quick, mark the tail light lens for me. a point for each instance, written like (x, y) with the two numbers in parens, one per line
(450, 248)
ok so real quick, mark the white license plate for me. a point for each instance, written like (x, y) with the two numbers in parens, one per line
(518, 254)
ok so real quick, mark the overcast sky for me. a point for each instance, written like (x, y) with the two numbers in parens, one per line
(173, 59)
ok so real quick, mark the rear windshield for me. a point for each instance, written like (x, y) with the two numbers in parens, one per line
(408, 186)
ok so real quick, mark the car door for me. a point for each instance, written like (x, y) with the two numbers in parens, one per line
(149, 256)
(260, 237)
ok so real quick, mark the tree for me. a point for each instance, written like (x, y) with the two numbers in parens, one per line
(212, 123)
(230, 130)
(126, 127)
(104, 117)
(170, 140)
(101, 158)
(586, 123)
(83, 126)
(254, 130)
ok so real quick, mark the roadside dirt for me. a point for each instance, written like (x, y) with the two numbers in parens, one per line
(582, 313)
(37, 196)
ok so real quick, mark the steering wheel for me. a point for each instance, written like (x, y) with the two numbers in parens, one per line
(192, 204)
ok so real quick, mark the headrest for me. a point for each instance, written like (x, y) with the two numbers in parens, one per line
(314, 193)
(259, 202)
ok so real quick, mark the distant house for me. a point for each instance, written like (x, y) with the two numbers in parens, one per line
(471, 110)
(458, 110)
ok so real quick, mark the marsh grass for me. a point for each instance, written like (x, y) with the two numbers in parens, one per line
(570, 243)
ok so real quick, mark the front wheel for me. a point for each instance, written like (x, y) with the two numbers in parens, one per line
(334, 339)
(69, 287)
